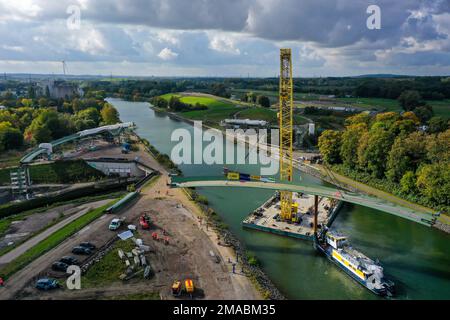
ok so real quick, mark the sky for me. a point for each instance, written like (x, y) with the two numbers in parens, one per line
(230, 38)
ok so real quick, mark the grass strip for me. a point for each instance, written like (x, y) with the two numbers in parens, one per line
(52, 241)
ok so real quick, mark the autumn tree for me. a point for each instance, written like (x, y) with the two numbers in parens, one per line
(330, 146)
(109, 114)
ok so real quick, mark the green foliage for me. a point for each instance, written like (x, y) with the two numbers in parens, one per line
(330, 146)
(437, 124)
(10, 137)
(263, 101)
(109, 114)
(87, 119)
(392, 155)
(433, 182)
(408, 183)
(406, 154)
(410, 99)
(350, 142)
(72, 171)
(109, 268)
(49, 125)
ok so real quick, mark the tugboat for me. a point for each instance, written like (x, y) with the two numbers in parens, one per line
(361, 268)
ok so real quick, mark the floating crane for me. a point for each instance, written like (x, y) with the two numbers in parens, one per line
(285, 118)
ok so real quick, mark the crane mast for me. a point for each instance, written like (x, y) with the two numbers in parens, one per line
(286, 129)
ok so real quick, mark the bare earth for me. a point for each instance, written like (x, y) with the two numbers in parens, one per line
(186, 256)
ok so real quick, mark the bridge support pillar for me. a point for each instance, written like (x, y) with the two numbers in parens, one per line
(316, 212)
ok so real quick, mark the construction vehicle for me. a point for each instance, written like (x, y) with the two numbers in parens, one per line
(189, 286)
(176, 288)
(126, 147)
(145, 221)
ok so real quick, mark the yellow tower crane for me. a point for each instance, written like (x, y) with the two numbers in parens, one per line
(286, 130)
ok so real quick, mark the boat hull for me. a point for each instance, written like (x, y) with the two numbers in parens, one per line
(380, 292)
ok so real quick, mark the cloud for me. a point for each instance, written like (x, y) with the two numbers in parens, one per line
(327, 36)
(166, 54)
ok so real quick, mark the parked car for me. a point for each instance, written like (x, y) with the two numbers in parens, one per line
(71, 261)
(81, 250)
(60, 266)
(88, 245)
(47, 284)
(115, 224)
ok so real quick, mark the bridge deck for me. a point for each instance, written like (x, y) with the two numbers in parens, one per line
(359, 199)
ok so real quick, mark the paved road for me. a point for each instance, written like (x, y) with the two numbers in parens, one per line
(83, 209)
(346, 196)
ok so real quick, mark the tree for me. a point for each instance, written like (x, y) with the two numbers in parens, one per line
(433, 182)
(43, 103)
(437, 124)
(357, 119)
(330, 146)
(410, 99)
(87, 119)
(408, 183)
(10, 137)
(109, 114)
(350, 142)
(438, 147)
(264, 101)
(424, 113)
(405, 155)
(49, 125)
(374, 154)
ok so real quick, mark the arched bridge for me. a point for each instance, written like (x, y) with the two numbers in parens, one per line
(313, 189)
(113, 130)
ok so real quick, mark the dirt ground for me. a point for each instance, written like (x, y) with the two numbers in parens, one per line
(186, 256)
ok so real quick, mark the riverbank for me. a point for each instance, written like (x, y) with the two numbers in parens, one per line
(249, 282)
(420, 272)
(318, 171)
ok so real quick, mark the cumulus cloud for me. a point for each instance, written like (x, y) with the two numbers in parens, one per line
(214, 34)
(167, 54)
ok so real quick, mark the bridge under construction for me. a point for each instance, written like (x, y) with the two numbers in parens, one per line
(426, 219)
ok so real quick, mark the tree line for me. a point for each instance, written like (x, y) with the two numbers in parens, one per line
(33, 121)
(388, 151)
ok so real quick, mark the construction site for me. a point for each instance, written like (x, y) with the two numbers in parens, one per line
(156, 240)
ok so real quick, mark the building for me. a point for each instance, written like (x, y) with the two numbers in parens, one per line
(244, 124)
(58, 89)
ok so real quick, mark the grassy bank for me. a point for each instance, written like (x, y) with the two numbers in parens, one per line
(5, 223)
(52, 241)
(72, 171)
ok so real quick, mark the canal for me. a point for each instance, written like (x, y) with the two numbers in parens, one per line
(416, 257)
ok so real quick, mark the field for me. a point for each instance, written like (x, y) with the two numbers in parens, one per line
(258, 113)
(217, 109)
(109, 268)
(440, 108)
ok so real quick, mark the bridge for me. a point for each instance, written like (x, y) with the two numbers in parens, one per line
(423, 218)
(113, 130)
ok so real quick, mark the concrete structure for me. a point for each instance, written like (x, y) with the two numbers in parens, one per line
(424, 218)
(58, 89)
(113, 130)
(121, 167)
(243, 123)
(266, 218)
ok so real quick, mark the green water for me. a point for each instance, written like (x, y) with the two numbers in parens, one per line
(417, 258)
